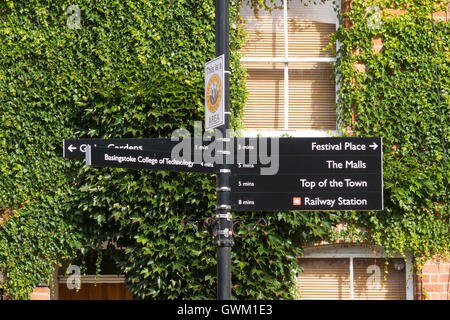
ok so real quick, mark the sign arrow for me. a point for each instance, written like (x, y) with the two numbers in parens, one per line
(374, 146)
(71, 148)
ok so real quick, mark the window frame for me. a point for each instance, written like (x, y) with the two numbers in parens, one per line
(352, 251)
(286, 60)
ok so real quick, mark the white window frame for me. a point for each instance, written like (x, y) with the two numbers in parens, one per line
(286, 60)
(351, 251)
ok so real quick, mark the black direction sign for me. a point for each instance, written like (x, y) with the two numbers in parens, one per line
(307, 201)
(136, 159)
(315, 164)
(322, 145)
(307, 155)
(314, 174)
(355, 182)
(267, 173)
(76, 148)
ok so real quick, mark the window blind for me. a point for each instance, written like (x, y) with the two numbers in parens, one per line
(288, 94)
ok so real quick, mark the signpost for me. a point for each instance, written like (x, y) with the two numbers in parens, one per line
(224, 238)
(306, 173)
(311, 174)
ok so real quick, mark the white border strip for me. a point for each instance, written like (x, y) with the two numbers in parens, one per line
(352, 289)
(95, 279)
(286, 60)
(286, 66)
(88, 155)
(311, 133)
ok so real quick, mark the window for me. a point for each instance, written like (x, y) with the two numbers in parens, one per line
(81, 283)
(351, 272)
(289, 83)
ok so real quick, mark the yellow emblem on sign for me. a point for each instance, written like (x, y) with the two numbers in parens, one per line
(214, 93)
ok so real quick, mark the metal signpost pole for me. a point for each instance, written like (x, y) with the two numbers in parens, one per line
(224, 238)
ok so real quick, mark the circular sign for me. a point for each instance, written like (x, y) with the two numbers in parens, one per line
(214, 93)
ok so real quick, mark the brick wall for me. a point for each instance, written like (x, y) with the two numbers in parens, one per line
(40, 293)
(432, 282)
(378, 41)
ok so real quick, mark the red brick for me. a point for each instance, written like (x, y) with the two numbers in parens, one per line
(433, 288)
(41, 290)
(440, 15)
(446, 268)
(377, 49)
(432, 296)
(40, 293)
(434, 278)
(360, 67)
(345, 5)
(347, 22)
(377, 44)
(431, 268)
(444, 278)
(377, 41)
(356, 51)
(425, 278)
(439, 296)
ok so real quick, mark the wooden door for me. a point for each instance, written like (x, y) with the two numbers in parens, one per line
(92, 291)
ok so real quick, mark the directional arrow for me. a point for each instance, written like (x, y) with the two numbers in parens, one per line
(75, 148)
(71, 148)
(374, 146)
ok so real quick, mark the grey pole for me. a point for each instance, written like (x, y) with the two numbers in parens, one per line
(224, 237)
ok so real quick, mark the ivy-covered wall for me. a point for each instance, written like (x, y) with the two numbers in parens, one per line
(393, 94)
(135, 69)
(131, 69)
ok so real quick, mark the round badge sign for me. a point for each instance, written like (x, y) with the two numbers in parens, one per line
(214, 93)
